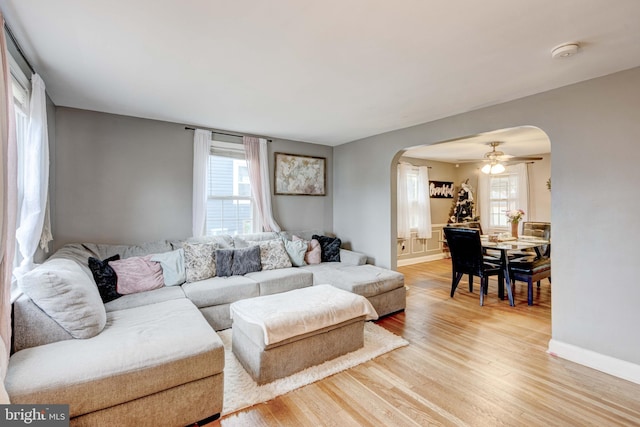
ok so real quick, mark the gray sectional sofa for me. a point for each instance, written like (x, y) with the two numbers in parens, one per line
(153, 357)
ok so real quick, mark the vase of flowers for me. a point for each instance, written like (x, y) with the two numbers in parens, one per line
(514, 217)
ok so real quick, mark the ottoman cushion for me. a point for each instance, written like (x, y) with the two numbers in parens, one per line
(289, 314)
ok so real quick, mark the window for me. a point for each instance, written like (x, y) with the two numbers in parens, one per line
(412, 195)
(503, 196)
(230, 209)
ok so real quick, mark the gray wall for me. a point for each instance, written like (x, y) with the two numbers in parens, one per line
(122, 179)
(593, 127)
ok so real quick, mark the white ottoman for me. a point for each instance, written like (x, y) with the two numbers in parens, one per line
(278, 335)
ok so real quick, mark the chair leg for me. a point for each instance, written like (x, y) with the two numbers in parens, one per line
(454, 282)
(471, 283)
(484, 281)
(530, 291)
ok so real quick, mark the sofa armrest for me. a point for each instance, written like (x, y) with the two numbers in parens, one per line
(352, 258)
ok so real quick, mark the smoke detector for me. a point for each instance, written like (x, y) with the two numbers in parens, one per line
(565, 50)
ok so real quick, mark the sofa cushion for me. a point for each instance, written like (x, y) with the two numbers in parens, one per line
(366, 280)
(200, 260)
(105, 277)
(165, 293)
(281, 280)
(236, 262)
(220, 290)
(141, 351)
(314, 252)
(137, 274)
(273, 254)
(68, 295)
(172, 263)
(296, 249)
(330, 248)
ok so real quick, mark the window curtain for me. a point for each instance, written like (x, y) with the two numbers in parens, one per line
(404, 209)
(33, 212)
(258, 164)
(483, 201)
(522, 170)
(8, 205)
(424, 204)
(201, 149)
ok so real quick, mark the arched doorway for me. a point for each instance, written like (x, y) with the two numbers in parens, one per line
(456, 161)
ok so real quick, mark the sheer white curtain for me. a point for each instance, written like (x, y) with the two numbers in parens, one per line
(424, 204)
(522, 170)
(483, 194)
(201, 150)
(404, 209)
(8, 204)
(33, 211)
(258, 164)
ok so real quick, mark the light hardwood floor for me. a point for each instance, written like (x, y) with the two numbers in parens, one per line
(466, 365)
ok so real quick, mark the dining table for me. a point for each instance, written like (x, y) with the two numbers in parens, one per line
(505, 246)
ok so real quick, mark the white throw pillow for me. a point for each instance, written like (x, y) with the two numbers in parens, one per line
(172, 267)
(64, 291)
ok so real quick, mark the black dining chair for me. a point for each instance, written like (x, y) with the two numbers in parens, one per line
(530, 269)
(467, 258)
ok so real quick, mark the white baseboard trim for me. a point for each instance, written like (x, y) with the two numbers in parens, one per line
(607, 364)
(418, 260)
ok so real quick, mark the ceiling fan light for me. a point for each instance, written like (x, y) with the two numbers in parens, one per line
(498, 168)
(486, 168)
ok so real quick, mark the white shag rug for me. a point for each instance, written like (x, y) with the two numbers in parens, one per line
(240, 391)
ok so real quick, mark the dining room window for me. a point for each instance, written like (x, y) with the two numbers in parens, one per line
(503, 196)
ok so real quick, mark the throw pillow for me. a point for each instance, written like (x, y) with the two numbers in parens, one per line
(273, 254)
(172, 267)
(66, 293)
(137, 274)
(237, 262)
(246, 261)
(296, 249)
(199, 260)
(314, 253)
(330, 248)
(105, 277)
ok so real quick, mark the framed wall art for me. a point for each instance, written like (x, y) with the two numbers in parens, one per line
(300, 175)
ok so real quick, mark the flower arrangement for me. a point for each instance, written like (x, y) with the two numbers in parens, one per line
(515, 215)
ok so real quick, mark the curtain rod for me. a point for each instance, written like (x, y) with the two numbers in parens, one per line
(18, 48)
(220, 133)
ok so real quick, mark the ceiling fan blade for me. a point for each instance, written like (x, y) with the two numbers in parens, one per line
(523, 158)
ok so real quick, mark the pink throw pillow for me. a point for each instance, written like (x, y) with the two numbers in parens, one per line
(137, 274)
(314, 253)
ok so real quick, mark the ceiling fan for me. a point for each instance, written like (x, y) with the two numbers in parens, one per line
(496, 159)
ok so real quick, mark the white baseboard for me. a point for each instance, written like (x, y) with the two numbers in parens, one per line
(418, 260)
(607, 364)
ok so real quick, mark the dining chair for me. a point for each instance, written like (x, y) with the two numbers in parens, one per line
(467, 258)
(531, 267)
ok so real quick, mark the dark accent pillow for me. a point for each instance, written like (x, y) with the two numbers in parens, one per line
(105, 277)
(236, 262)
(329, 247)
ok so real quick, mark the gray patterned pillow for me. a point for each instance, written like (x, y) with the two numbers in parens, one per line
(272, 254)
(199, 260)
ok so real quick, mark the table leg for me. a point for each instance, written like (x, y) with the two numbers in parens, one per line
(507, 279)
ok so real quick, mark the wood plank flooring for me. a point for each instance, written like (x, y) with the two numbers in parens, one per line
(466, 366)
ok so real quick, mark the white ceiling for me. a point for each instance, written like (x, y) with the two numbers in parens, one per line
(514, 142)
(325, 72)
